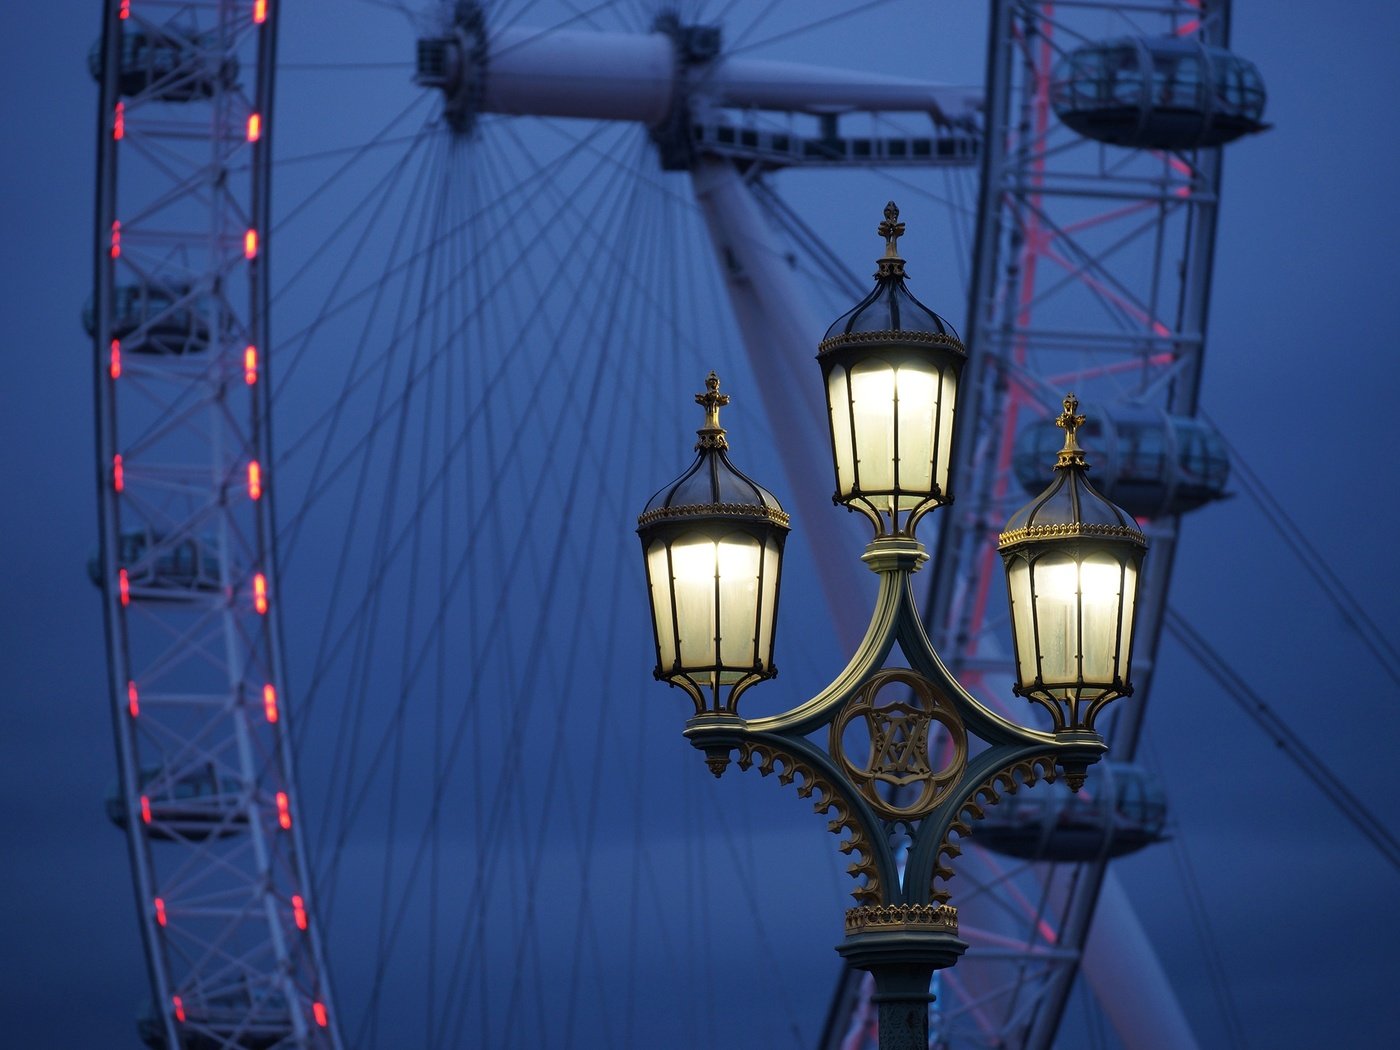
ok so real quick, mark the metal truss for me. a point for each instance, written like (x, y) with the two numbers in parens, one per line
(187, 565)
(1091, 273)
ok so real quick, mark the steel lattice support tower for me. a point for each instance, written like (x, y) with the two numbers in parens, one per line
(1092, 272)
(187, 563)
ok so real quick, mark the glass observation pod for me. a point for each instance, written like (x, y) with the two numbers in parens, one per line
(163, 569)
(193, 804)
(1123, 811)
(155, 319)
(1158, 93)
(1148, 462)
(171, 66)
(228, 1019)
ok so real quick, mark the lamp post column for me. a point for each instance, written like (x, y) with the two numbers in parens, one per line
(902, 960)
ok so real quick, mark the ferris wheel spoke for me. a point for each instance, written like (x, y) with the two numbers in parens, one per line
(358, 374)
(496, 812)
(353, 155)
(459, 445)
(468, 552)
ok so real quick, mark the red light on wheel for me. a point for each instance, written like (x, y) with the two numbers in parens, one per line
(319, 1009)
(145, 809)
(160, 911)
(254, 127)
(259, 11)
(124, 586)
(284, 811)
(270, 702)
(118, 474)
(133, 702)
(119, 121)
(250, 244)
(179, 1005)
(114, 367)
(254, 481)
(250, 365)
(116, 239)
(299, 911)
(260, 593)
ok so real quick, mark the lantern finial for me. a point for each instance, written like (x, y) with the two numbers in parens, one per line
(892, 230)
(1070, 420)
(711, 434)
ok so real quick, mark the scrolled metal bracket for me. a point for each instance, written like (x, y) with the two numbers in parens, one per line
(895, 798)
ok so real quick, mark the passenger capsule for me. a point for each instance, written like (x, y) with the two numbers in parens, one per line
(1148, 462)
(168, 64)
(163, 568)
(239, 1013)
(155, 319)
(1121, 810)
(195, 803)
(1158, 93)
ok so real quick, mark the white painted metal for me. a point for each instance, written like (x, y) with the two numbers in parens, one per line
(206, 781)
(635, 76)
(579, 73)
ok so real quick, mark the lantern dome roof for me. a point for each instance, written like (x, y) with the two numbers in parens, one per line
(1070, 508)
(889, 312)
(713, 487)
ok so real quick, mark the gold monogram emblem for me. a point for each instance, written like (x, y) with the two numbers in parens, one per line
(898, 757)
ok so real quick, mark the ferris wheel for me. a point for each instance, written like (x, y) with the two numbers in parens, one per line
(465, 258)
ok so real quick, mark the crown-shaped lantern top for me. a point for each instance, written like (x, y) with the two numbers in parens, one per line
(1071, 507)
(889, 308)
(713, 486)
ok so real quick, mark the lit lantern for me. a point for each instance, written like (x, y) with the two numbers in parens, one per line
(891, 367)
(713, 541)
(1073, 561)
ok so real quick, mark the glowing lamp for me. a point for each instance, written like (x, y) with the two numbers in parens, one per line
(891, 367)
(1073, 561)
(713, 543)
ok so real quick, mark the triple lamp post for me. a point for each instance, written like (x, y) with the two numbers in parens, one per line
(910, 758)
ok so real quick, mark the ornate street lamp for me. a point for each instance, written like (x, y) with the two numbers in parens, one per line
(714, 552)
(892, 750)
(891, 368)
(1072, 564)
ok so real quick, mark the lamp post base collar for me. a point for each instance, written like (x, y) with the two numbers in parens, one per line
(902, 917)
(895, 554)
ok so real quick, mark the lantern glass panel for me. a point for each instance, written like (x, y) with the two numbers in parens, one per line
(659, 576)
(716, 592)
(1023, 618)
(947, 398)
(917, 390)
(838, 397)
(1125, 645)
(739, 558)
(1055, 581)
(872, 411)
(1101, 586)
(772, 558)
(693, 566)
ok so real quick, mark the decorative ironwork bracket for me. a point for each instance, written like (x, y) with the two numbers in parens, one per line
(897, 805)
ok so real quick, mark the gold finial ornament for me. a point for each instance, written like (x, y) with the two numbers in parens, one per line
(711, 434)
(1070, 421)
(892, 230)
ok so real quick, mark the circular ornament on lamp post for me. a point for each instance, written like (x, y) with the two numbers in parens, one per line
(1073, 561)
(713, 543)
(891, 368)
